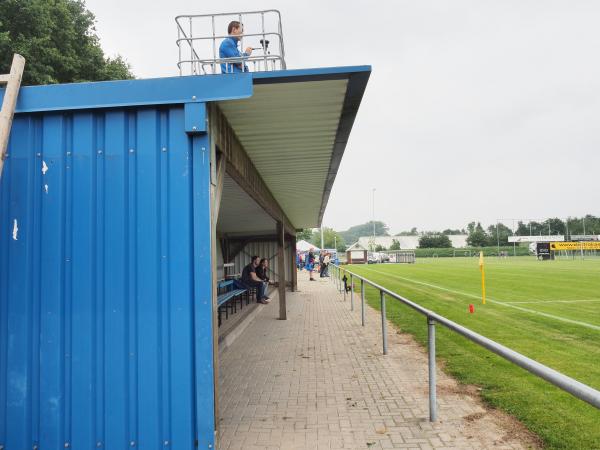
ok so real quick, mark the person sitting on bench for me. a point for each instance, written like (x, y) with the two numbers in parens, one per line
(251, 280)
(261, 271)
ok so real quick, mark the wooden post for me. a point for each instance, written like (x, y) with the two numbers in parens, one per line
(281, 269)
(13, 83)
(294, 270)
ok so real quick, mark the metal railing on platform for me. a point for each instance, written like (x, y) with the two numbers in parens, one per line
(567, 384)
(200, 35)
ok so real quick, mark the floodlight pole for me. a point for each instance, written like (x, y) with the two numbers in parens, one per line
(514, 243)
(373, 214)
(321, 237)
(583, 220)
(498, 236)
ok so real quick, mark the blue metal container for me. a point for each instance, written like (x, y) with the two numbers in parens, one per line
(106, 336)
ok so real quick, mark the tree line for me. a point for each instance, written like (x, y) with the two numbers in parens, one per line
(59, 41)
(477, 235)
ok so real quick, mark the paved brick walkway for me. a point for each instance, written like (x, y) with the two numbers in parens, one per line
(319, 381)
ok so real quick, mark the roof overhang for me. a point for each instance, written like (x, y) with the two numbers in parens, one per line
(295, 128)
(293, 124)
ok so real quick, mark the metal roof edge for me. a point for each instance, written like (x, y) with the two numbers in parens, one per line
(357, 84)
(124, 93)
(315, 74)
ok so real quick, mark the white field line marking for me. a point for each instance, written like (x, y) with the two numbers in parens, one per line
(552, 301)
(509, 305)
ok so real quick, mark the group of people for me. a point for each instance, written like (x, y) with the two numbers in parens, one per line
(308, 262)
(255, 276)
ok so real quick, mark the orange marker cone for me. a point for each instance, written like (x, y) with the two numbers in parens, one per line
(471, 308)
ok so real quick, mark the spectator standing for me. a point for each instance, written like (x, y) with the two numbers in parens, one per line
(229, 49)
(321, 265)
(310, 263)
(326, 261)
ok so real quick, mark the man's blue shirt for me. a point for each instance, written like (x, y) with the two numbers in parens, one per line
(228, 49)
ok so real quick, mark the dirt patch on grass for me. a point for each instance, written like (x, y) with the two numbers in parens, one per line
(514, 429)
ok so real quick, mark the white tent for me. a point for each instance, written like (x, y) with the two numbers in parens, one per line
(303, 246)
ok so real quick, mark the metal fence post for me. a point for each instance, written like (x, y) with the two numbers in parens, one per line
(432, 382)
(351, 293)
(383, 322)
(362, 302)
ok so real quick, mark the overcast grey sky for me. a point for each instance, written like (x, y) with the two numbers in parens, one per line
(476, 110)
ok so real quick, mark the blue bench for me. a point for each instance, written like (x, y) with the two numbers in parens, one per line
(227, 294)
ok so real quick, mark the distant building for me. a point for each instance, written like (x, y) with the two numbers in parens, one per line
(406, 242)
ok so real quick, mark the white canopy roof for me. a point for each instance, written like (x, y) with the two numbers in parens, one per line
(304, 246)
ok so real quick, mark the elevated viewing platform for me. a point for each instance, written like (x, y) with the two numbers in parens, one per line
(199, 38)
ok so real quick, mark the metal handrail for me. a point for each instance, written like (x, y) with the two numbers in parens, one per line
(223, 36)
(576, 388)
(231, 60)
(187, 34)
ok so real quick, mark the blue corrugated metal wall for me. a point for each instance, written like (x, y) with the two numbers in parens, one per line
(105, 282)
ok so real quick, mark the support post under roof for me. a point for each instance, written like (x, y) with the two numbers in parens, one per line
(281, 266)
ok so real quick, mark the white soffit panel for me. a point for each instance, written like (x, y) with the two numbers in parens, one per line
(289, 130)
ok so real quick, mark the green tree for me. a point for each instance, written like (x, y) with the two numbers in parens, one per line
(58, 40)
(379, 248)
(305, 234)
(555, 226)
(537, 228)
(413, 232)
(352, 234)
(500, 231)
(434, 240)
(477, 236)
(576, 225)
(471, 227)
(395, 245)
(522, 229)
(451, 232)
(331, 239)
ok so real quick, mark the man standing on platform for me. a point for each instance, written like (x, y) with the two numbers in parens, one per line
(229, 49)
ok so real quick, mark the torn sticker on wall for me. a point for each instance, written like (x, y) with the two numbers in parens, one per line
(44, 168)
(15, 230)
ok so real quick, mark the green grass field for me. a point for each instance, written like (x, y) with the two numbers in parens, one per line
(546, 310)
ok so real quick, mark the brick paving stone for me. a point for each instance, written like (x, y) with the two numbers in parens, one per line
(319, 381)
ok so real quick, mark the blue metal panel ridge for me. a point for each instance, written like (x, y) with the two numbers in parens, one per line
(105, 315)
(158, 91)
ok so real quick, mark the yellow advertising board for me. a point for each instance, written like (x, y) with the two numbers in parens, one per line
(593, 245)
